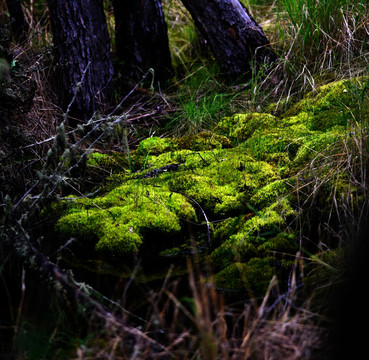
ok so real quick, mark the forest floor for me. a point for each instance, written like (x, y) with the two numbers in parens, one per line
(207, 220)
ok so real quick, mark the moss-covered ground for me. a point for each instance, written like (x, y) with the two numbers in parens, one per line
(205, 217)
(233, 191)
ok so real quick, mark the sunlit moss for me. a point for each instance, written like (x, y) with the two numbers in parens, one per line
(251, 232)
(246, 190)
(270, 193)
(319, 144)
(154, 145)
(204, 140)
(242, 126)
(113, 161)
(118, 221)
(330, 105)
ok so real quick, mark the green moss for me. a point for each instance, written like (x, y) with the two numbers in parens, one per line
(218, 199)
(284, 243)
(154, 145)
(246, 191)
(242, 126)
(81, 223)
(118, 239)
(330, 105)
(318, 145)
(261, 225)
(224, 229)
(261, 171)
(204, 140)
(256, 275)
(113, 161)
(221, 184)
(270, 193)
(250, 233)
(285, 139)
(99, 166)
(279, 159)
(96, 158)
(219, 180)
(119, 221)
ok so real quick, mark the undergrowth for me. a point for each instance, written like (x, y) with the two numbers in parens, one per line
(317, 41)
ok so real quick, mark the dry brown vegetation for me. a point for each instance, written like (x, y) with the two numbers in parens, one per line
(290, 321)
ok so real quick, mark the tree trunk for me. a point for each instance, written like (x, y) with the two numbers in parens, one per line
(236, 40)
(18, 22)
(142, 39)
(82, 47)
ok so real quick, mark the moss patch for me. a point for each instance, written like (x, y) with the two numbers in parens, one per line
(255, 275)
(155, 146)
(238, 182)
(243, 126)
(334, 104)
(256, 234)
(118, 222)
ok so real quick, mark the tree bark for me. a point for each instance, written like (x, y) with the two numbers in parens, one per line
(82, 48)
(142, 39)
(18, 22)
(236, 40)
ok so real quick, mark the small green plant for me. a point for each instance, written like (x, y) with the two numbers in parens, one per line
(203, 99)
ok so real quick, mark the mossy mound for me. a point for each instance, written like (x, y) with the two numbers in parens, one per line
(204, 140)
(242, 126)
(174, 188)
(331, 105)
(118, 222)
(256, 274)
(155, 145)
(171, 193)
(257, 234)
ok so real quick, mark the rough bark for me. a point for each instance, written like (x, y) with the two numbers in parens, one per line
(234, 37)
(141, 39)
(82, 49)
(18, 22)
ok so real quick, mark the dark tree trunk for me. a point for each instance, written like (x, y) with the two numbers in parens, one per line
(236, 40)
(18, 22)
(82, 48)
(141, 39)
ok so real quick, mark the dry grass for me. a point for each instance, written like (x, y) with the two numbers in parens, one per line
(205, 325)
(309, 54)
